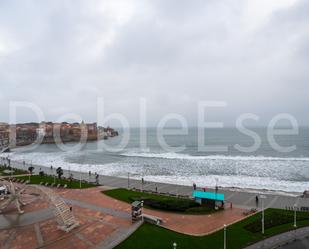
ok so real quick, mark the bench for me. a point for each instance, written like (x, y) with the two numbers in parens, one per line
(251, 211)
(152, 219)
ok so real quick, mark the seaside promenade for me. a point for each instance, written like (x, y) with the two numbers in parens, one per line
(245, 199)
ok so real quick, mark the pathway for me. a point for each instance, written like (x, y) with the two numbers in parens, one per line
(281, 239)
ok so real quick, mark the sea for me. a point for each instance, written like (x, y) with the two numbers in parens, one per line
(146, 156)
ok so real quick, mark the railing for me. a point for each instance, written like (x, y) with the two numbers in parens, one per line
(64, 215)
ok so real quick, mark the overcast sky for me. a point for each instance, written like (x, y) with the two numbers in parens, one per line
(62, 55)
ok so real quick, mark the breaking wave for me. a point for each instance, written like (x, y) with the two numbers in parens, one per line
(171, 155)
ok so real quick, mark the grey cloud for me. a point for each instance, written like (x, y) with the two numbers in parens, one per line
(62, 56)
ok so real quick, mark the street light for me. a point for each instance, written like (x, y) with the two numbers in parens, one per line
(142, 204)
(80, 177)
(217, 186)
(142, 182)
(224, 245)
(262, 197)
(175, 245)
(295, 219)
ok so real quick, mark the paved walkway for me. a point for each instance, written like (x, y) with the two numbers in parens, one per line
(100, 227)
(14, 220)
(198, 225)
(282, 239)
(297, 244)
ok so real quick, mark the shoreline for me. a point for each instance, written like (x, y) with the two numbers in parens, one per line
(19, 164)
(234, 197)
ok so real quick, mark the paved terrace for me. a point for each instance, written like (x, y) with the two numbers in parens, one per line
(240, 198)
(100, 226)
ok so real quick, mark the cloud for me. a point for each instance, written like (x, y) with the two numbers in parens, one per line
(63, 55)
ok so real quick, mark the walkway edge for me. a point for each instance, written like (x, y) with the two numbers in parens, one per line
(119, 239)
(281, 239)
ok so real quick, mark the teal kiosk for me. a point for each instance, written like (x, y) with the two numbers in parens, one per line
(209, 199)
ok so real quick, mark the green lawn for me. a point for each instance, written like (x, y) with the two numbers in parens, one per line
(36, 179)
(238, 236)
(160, 202)
(16, 171)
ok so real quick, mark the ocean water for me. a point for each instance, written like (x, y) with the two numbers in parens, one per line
(264, 168)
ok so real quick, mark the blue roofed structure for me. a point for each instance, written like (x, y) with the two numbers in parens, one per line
(208, 195)
(210, 199)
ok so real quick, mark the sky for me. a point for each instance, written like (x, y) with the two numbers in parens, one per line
(63, 55)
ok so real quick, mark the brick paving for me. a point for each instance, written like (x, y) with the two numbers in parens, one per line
(95, 226)
(198, 224)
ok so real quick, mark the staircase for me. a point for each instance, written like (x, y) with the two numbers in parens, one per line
(65, 218)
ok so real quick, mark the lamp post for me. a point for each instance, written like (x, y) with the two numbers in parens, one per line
(262, 197)
(224, 245)
(80, 177)
(174, 245)
(217, 186)
(143, 182)
(295, 218)
(142, 204)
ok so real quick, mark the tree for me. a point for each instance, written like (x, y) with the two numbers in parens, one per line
(59, 172)
(30, 169)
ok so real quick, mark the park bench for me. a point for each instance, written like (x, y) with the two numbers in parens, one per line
(251, 211)
(58, 185)
(152, 219)
(46, 184)
(65, 186)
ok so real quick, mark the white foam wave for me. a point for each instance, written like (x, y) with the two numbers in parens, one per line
(187, 172)
(171, 155)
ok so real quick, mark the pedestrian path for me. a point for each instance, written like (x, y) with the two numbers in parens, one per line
(281, 239)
